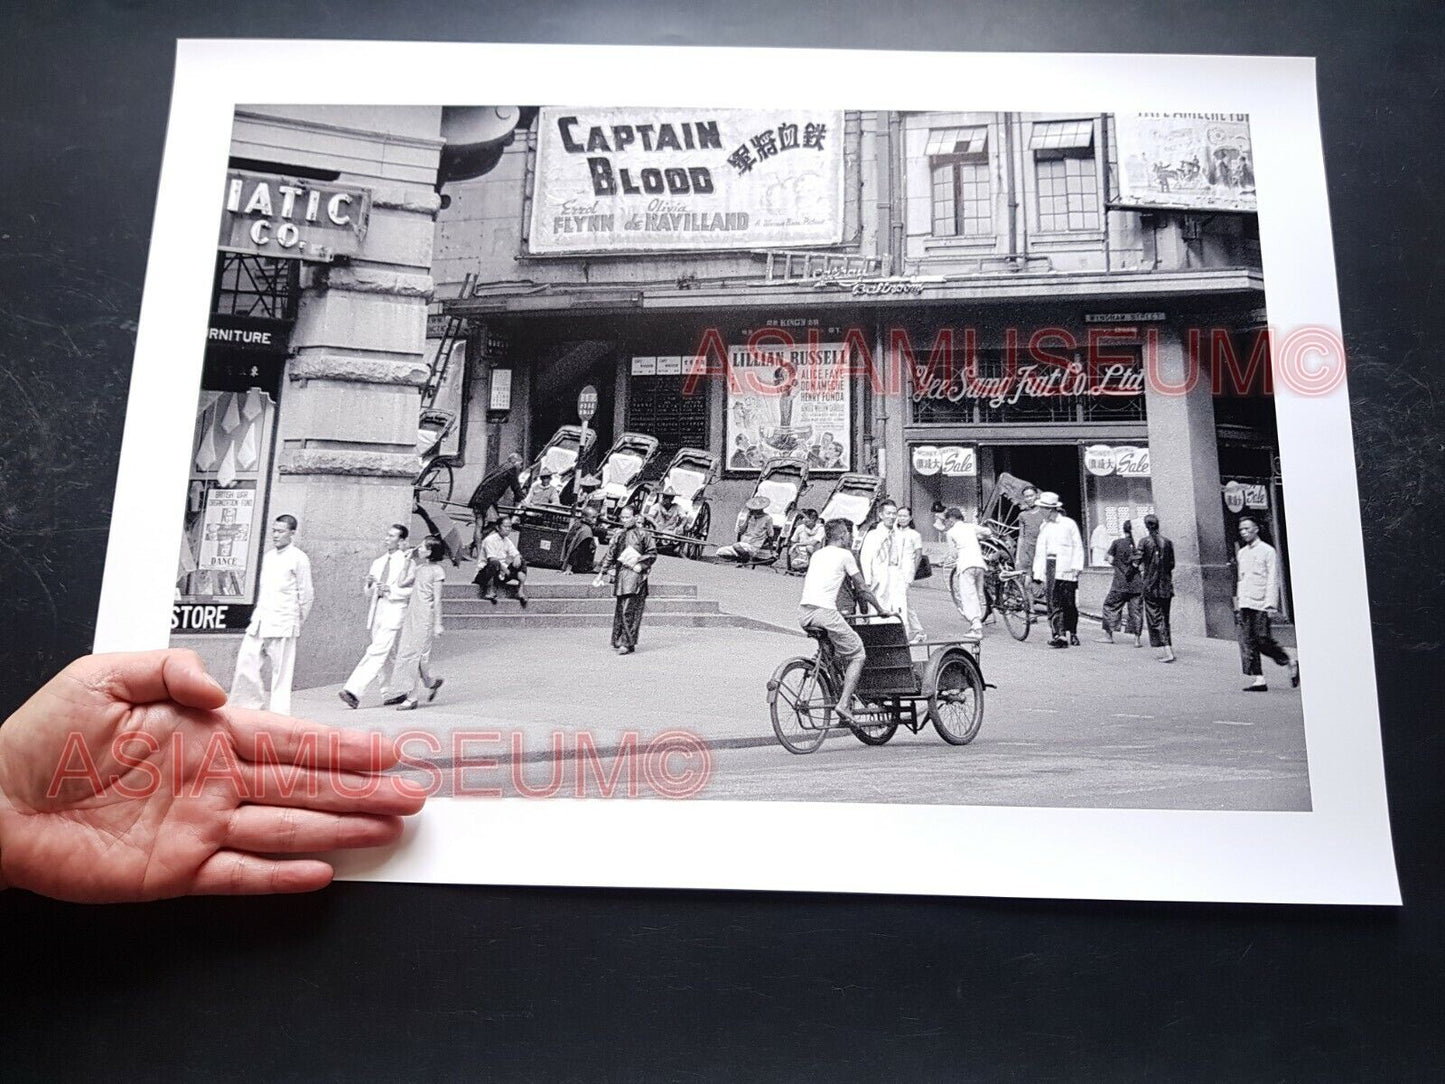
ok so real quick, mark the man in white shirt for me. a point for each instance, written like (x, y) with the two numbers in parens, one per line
(818, 607)
(500, 563)
(283, 602)
(968, 565)
(1058, 560)
(1256, 598)
(543, 492)
(388, 587)
(880, 558)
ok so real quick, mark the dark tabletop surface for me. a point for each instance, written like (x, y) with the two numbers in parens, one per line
(392, 981)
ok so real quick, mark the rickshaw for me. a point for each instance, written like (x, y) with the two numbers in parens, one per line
(782, 483)
(431, 491)
(854, 498)
(619, 477)
(1008, 590)
(688, 475)
(562, 456)
(945, 689)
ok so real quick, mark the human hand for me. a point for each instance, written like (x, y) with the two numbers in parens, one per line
(125, 778)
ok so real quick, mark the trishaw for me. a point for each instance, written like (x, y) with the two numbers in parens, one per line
(945, 689)
(688, 475)
(782, 483)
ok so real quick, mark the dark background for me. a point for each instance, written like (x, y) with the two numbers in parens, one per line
(386, 981)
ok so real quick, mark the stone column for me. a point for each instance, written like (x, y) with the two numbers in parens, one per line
(1184, 460)
(346, 450)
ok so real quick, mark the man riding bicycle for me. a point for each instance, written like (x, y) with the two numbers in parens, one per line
(829, 568)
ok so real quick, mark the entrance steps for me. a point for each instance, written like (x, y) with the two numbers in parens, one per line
(577, 604)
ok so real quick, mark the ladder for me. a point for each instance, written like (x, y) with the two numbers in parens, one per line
(453, 333)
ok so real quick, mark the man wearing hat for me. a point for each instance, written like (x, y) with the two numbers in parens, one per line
(665, 517)
(1058, 560)
(756, 534)
(542, 491)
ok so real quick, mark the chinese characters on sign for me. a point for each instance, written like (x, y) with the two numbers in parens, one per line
(951, 461)
(789, 401)
(624, 179)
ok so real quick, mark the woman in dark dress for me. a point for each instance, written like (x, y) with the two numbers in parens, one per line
(629, 559)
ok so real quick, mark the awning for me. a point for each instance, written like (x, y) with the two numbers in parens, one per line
(943, 141)
(1059, 135)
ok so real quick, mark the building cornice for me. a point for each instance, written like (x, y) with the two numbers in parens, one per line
(1014, 288)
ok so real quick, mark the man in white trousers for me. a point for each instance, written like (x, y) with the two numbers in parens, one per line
(388, 585)
(968, 565)
(281, 608)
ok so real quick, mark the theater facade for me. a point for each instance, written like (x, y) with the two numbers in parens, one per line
(1074, 299)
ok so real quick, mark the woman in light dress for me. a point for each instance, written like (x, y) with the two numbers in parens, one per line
(422, 625)
(910, 546)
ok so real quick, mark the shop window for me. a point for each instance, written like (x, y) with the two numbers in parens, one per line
(962, 192)
(1117, 487)
(941, 475)
(1067, 183)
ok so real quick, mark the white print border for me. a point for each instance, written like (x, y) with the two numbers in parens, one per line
(1338, 853)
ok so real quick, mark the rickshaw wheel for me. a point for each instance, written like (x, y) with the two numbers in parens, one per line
(435, 482)
(700, 526)
(875, 733)
(799, 699)
(1016, 606)
(956, 703)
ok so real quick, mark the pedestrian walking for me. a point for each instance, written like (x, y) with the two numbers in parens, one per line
(629, 560)
(1156, 577)
(1256, 599)
(910, 550)
(1031, 520)
(1125, 592)
(388, 591)
(282, 603)
(1058, 560)
(966, 555)
(422, 625)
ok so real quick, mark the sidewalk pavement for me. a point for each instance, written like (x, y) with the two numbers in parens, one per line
(530, 684)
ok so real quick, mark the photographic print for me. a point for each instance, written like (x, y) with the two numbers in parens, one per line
(938, 477)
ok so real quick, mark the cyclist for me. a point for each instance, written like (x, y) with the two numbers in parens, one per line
(829, 569)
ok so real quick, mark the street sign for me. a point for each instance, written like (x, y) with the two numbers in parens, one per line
(587, 403)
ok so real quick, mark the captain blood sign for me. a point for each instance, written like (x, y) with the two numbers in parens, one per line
(283, 216)
(630, 179)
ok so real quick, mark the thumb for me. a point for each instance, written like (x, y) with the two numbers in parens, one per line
(145, 677)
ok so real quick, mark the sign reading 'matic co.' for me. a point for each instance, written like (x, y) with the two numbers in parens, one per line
(637, 179)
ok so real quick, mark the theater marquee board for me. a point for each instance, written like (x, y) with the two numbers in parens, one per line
(630, 180)
(1188, 161)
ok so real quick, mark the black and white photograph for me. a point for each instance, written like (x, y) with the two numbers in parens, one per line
(609, 456)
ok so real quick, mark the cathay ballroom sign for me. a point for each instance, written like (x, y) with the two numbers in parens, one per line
(634, 180)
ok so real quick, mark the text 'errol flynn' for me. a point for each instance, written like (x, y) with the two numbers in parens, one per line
(655, 138)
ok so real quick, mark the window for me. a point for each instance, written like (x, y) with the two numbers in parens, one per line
(1064, 166)
(962, 195)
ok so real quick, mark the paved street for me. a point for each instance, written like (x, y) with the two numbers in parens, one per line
(1094, 726)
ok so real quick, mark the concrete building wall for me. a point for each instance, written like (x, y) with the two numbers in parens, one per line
(347, 419)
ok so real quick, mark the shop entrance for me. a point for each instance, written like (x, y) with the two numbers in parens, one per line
(1049, 466)
(560, 375)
